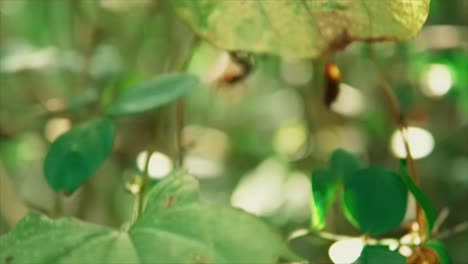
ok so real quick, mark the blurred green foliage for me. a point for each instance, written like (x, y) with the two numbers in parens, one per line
(252, 144)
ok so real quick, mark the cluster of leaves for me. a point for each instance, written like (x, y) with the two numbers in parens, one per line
(77, 154)
(373, 198)
(175, 226)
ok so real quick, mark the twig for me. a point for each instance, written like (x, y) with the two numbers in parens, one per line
(140, 195)
(440, 220)
(460, 228)
(400, 122)
(180, 110)
(180, 120)
(322, 234)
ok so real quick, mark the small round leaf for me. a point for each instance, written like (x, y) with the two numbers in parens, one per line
(374, 200)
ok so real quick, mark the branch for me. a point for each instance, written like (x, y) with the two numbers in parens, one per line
(400, 122)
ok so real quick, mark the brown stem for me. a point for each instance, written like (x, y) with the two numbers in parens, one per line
(400, 122)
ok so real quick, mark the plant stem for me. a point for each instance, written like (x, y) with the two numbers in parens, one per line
(180, 120)
(140, 196)
(322, 234)
(459, 228)
(400, 122)
(180, 110)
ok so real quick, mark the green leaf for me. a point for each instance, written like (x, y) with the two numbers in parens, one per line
(441, 251)
(344, 163)
(302, 29)
(381, 255)
(374, 200)
(78, 153)
(174, 228)
(324, 186)
(152, 94)
(429, 210)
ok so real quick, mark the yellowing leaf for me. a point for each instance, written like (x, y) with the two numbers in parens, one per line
(302, 28)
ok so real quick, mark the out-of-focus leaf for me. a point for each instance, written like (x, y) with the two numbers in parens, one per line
(441, 251)
(152, 94)
(307, 28)
(426, 204)
(374, 200)
(174, 228)
(78, 153)
(381, 255)
(324, 187)
(344, 163)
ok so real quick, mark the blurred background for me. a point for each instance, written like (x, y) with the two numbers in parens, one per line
(252, 143)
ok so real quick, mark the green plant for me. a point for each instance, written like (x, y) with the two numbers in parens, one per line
(169, 223)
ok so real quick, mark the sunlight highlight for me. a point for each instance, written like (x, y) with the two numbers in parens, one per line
(437, 81)
(55, 127)
(346, 250)
(289, 138)
(350, 101)
(261, 191)
(296, 72)
(421, 143)
(202, 167)
(159, 165)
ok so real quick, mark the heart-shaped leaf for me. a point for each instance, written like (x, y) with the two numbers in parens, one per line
(174, 228)
(78, 153)
(374, 200)
(152, 94)
(302, 28)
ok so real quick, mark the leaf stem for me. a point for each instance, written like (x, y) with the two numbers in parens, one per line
(457, 229)
(57, 206)
(180, 120)
(140, 196)
(180, 109)
(400, 122)
(322, 234)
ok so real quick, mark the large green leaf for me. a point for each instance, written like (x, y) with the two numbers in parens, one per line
(78, 153)
(324, 186)
(152, 94)
(429, 210)
(174, 228)
(374, 200)
(380, 255)
(302, 28)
